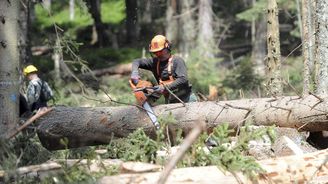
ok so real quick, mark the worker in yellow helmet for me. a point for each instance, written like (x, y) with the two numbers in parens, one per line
(38, 91)
(170, 71)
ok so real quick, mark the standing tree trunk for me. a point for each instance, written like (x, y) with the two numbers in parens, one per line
(57, 57)
(259, 47)
(312, 34)
(274, 57)
(172, 23)
(24, 33)
(9, 66)
(99, 27)
(308, 63)
(144, 13)
(47, 4)
(205, 25)
(132, 25)
(71, 9)
(187, 28)
(321, 48)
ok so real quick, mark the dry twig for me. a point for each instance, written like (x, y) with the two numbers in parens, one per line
(29, 121)
(189, 140)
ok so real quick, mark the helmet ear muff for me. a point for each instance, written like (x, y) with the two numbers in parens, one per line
(149, 47)
(167, 45)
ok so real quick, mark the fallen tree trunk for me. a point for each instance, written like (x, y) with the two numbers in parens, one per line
(91, 126)
(308, 168)
(199, 175)
(92, 166)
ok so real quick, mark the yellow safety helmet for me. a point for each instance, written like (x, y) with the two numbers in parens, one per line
(30, 69)
(158, 43)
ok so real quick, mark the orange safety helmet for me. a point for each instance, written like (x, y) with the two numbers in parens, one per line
(158, 43)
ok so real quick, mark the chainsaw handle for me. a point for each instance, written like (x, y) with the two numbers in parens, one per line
(144, 88)
(133, 86)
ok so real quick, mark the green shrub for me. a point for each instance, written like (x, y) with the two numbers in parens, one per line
(226, 155)
(106, 57)
(136, 147)
(202, 72)
(242, 78)
(292, 74)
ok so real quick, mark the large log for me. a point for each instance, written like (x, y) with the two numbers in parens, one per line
(92, 166)
(91, 126)
(307, 168)
(191, 175)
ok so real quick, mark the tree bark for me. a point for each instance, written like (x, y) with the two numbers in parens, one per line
(9, 66)
(321, 48)
(274, 56)
(306, 24)
(91, 126)
(206, 33)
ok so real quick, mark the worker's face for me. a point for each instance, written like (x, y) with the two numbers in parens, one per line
(162, 54)
(30, 76)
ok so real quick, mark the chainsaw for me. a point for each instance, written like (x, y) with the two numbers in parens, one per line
(143, 91)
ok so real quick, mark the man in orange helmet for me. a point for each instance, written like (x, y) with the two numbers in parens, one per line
(170, 72)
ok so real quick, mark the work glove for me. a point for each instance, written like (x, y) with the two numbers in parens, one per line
(135, 79)
(159, 89)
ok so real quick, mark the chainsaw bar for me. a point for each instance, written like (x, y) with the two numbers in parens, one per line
(151, 114)
(141, 94)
